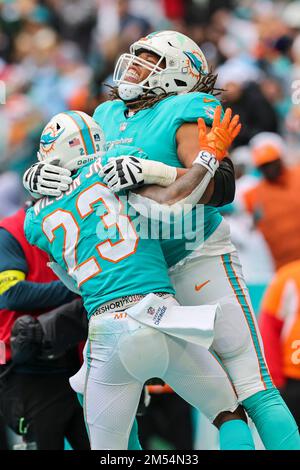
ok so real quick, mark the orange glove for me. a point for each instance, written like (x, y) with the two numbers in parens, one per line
(221, 135)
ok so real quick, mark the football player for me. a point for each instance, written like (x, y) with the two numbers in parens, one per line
(88, 234)
(162, 87)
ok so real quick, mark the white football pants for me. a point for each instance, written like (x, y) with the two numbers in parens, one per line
(121, 354)
(237, 341)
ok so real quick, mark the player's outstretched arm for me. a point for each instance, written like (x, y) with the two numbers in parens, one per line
(190, 188)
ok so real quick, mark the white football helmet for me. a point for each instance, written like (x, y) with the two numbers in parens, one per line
(73, 137)
(184, 65)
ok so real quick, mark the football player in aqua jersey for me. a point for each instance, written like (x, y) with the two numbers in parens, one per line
(89, 234)
(162, 87)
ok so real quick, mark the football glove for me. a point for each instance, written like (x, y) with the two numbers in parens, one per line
(122, 173)
(46, 179)
(221, 135)
(127, 172)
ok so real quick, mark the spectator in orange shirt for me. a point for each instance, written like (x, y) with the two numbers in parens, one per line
(274, 202)
(280, 329)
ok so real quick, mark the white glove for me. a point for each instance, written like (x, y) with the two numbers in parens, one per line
(127, 172)
(122, 173)
(45, 179)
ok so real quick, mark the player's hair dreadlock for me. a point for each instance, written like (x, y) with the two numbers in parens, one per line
(205, 84)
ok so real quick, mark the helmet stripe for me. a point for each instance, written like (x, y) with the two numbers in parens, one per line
(84, 132)
(89, 131)
(68, 113)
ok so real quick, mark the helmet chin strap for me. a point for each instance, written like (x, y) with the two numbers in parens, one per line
(130, 91)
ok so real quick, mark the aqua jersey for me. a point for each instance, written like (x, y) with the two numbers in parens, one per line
(154, 131)
(88, 233)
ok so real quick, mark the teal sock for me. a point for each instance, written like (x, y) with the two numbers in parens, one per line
(273, 420)
(236, 435)
(134, 443)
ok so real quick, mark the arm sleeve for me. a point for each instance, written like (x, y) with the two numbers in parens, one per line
(224, 187)
(30, 296)
(18, 294)
(11, 253)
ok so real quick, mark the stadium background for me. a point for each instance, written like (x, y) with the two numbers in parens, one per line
(57, 54)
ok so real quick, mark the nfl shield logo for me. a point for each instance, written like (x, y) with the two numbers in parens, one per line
(123, 126)
(151, 311)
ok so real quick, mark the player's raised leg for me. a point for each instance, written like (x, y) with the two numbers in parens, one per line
(195, 375)
(238, 343)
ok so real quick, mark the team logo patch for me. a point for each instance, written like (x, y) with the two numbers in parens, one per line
(97, 137)
(49, 137)
(194, 63)
(123, 126)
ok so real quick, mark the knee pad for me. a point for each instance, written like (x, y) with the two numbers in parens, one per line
(232, 335)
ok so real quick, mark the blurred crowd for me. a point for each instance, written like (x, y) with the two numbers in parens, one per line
(58, 54)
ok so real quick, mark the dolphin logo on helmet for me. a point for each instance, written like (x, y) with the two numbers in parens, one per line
(50, 135)
(194, 60)
(49, 138)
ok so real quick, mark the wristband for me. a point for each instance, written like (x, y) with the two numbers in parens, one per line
(208, 160)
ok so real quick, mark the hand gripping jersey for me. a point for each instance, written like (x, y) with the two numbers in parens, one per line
(154, 131)
(88, 232)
